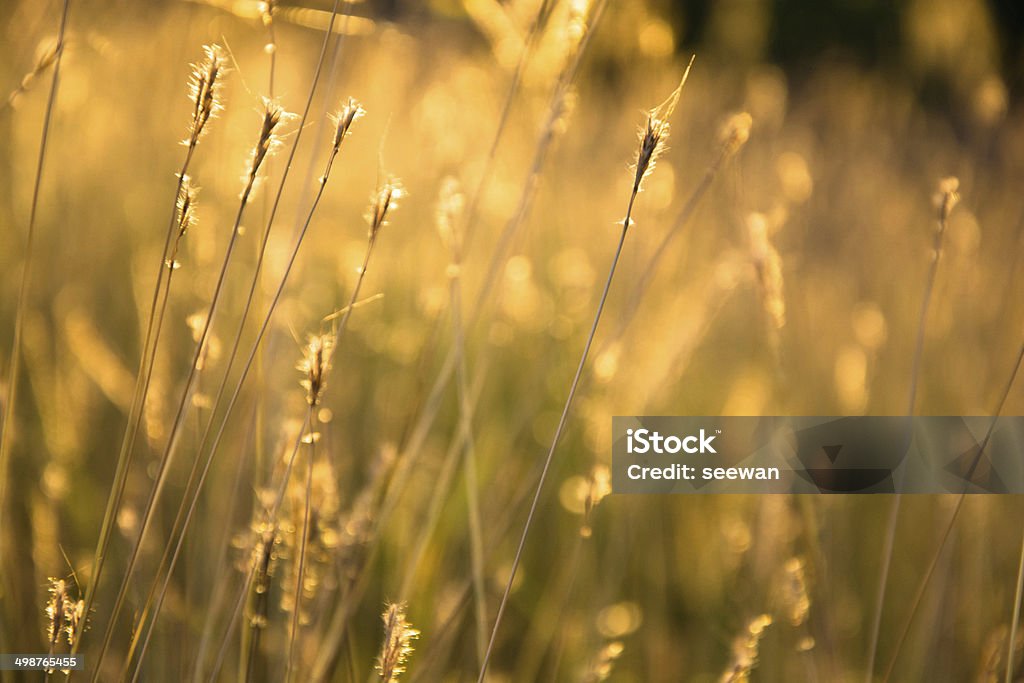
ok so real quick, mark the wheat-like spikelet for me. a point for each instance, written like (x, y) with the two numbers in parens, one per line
(64, 614)
(186, 218)
(383, 201)
(654, 136)
(397, 646)
(205, 88)
(274, 116)
(343, 120)
(55, 609)
(315, 364)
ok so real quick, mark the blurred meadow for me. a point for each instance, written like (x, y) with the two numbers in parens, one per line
(777, 261)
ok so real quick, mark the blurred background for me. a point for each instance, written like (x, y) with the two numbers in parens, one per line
(791, 283)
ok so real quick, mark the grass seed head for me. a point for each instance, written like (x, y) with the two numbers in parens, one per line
(315, 364)
(343, 120)
(397, 646)
(274, 116)
(653, 137)
(205, 88)
(384, 200)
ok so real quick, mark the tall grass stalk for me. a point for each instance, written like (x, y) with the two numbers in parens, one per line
(470, 456)
(272, 119)
(651, 144)
(923, 585)
(946, 200)
(6, 429)
(206, 82)
(384, 201)
(201, 464)
(11, 592)
(417, 435)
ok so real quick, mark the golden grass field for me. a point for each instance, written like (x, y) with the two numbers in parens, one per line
(382, 457)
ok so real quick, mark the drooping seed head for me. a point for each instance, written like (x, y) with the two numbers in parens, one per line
(397, 646)
(205, 87)
(343, 120)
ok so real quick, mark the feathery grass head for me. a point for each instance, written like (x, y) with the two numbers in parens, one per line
(55, 610)
(274, 116)
(653, 137)
(397, 646)
(186, 217)
(343, 120)
(384, 200)
(205, 87)
(315, 364)
(63, 613)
